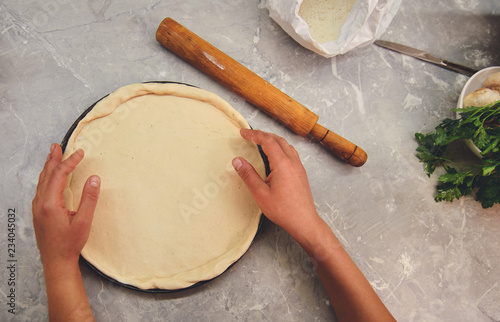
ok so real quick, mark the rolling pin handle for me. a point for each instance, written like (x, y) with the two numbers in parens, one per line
(344, 149)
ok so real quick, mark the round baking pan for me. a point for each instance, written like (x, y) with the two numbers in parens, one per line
(64, 143)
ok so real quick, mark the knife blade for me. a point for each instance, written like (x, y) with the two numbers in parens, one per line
(422, 55)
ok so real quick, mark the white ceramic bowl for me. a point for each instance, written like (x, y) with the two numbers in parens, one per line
(474, 83)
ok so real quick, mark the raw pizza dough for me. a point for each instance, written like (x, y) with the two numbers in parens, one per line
(172, 211)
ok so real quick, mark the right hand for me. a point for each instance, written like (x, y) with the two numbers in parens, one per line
(286, 199)
(285, 196)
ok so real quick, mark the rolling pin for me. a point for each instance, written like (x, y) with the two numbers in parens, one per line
(253, 89)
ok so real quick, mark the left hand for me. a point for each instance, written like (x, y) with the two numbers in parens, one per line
(61, 234)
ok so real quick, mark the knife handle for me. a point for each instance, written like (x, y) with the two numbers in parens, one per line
(253, 88)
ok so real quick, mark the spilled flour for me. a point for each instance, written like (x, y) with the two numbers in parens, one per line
(405, 261)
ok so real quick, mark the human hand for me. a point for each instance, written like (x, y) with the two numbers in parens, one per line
(61, 233)
(285, 196)
(286, 199)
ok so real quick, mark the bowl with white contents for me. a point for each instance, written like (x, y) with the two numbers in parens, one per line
(481, 89)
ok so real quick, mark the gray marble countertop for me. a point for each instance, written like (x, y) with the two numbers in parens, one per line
(427, 261)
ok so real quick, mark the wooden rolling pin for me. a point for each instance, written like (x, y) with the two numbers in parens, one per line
(254, 89)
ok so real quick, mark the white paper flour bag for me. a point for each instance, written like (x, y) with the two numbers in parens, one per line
(332, 27)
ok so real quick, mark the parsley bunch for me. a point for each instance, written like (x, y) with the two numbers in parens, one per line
(482, 126)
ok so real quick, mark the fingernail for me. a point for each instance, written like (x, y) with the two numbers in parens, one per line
(94, 181)
(237, 164)
(52, 147)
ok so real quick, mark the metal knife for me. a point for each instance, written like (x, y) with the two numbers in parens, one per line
(422, 55)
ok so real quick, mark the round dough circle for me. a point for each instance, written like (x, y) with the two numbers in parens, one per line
(172, 211)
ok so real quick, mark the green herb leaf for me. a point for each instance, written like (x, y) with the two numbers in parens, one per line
(482, 126)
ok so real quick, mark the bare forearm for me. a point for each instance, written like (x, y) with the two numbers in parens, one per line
(285, 197)
(350, 293)
(66, 294)
(61, 234)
